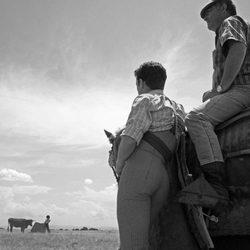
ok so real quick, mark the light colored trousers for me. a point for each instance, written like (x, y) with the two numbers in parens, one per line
(200, 122)
(143, 189)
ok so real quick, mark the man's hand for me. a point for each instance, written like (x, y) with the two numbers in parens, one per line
(209, 94)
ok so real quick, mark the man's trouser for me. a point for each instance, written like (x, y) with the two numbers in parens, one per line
(201, 121)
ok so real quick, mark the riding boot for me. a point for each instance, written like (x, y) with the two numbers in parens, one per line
(215, 174)
(208, 190)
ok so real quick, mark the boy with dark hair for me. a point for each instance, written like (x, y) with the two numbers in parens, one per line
(153, 73)
(144, 182)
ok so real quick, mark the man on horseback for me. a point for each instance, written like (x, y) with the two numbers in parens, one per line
(230, 92)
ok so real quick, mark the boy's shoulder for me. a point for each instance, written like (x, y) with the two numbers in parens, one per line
(143, 97)
(179, 109)
(146, 99)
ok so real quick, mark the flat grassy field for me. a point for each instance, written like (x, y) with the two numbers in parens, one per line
(61, 240)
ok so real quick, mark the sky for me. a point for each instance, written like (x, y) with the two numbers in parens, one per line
(66, 74)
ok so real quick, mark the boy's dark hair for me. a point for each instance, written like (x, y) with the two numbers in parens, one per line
(153, 73)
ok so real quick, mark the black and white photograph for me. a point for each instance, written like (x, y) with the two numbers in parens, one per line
(124, 125)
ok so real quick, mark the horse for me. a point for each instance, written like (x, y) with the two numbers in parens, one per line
(181, 226)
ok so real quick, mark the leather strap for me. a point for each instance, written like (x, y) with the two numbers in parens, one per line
(159, 145)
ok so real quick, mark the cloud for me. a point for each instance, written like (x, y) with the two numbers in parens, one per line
(13, 175)
(30, 190)
(108, 194)
(20, 201)
(98, 207)
(85, 207)
(6, 194)
(88, 181)
(56, 114)
(92, 213)
(87, 162)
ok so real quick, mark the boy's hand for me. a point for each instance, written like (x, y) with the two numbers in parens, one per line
(126, 148)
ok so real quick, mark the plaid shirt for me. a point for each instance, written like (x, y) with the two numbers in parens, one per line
(232, 28)
(150, 112)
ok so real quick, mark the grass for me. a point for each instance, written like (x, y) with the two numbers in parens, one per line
(60, 240)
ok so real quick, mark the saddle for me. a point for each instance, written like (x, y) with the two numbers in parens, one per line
(234, 139)
(233, 136)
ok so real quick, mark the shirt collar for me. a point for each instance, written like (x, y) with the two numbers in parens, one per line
(156, 91)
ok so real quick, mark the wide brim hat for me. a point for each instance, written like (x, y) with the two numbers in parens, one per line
(209, 5)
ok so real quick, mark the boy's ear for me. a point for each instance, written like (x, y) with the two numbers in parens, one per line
(141, 83)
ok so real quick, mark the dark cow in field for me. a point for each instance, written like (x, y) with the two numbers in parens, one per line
(22, 223)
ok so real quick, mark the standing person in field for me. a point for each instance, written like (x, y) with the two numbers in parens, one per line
(230, 92)
(46, 223)
(144, 183)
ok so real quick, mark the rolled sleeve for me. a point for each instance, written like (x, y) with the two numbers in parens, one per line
(139, 119)
(232, 29)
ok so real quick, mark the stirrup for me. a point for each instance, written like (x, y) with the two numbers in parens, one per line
(199, 193)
